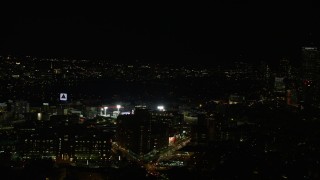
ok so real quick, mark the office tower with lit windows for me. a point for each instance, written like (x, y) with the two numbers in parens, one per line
(311, 75)
(311, 63)
(65, 140)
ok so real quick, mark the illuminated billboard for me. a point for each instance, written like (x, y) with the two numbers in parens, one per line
(63, 96)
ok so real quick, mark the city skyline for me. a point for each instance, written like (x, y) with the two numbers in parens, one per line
(229, 90)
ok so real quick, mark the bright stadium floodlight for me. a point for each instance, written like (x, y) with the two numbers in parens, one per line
(160, 108)
(105, 110)
(118, 107)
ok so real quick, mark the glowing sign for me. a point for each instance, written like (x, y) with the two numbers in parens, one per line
(63, 96)
(309, 48)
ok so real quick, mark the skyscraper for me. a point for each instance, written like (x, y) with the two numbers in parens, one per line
(311, 75)
(311, 63)
(140, 134)
(284, 68)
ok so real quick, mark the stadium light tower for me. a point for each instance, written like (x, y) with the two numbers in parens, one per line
(105, 110)
(160, 108)
(118, 107)
(101, 112)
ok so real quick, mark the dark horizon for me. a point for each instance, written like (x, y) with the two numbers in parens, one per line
(223, 32)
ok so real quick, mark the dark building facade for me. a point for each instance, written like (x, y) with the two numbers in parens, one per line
(311, 62)
(141, 133)
(311, 76)
(64, 140)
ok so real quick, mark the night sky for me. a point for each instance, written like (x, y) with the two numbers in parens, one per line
(203, 34)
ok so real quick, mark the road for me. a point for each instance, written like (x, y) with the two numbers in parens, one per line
(150, 160)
